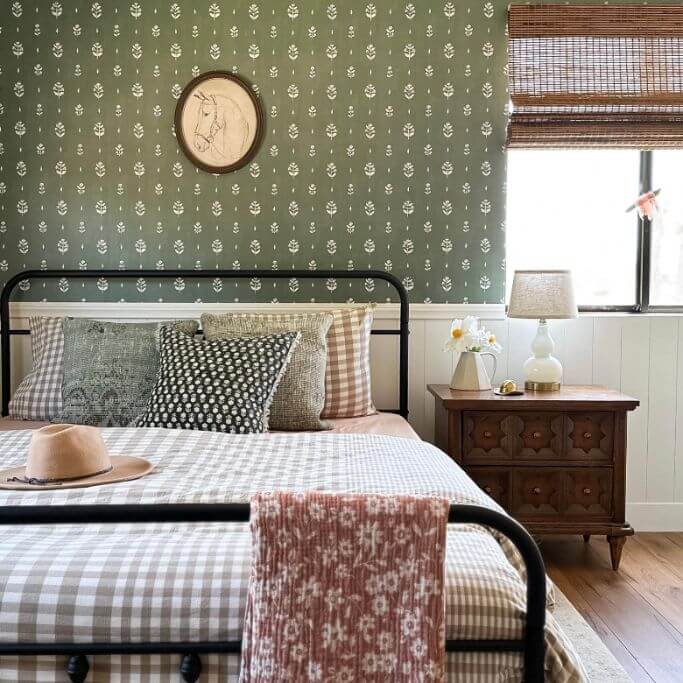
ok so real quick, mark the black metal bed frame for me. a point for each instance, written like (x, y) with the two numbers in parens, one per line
(531, 645)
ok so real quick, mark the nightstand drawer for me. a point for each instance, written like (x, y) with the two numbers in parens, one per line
(588, 492)
(590, 436)
(491, 436)
(494, 482)
(537, 492)
(488, 436)
(539, 436)
(577, 492)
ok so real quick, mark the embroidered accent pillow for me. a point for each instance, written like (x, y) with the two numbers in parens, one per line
(300, 397)
(217, 385)
(39, 395)
(348, 390)
(345, 587)
(110, 369)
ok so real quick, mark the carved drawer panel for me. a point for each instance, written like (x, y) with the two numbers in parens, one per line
(536, 492)
(589, 492)
(494, 482)
(488, 435)
(590, 436)
(539, 435)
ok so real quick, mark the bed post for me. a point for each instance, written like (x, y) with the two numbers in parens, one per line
(4, 338)
(404, 332)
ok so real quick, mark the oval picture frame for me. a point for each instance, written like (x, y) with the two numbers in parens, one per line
(219, 122)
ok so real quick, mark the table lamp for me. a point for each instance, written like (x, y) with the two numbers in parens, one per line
(542, 294)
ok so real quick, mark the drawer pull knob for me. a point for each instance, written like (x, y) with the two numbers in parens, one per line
(536, 490)
(536, 435)
(487, 489)
(487, 435)
(587, 491)
(587, 435)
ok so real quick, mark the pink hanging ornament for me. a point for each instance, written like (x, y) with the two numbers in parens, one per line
(647, 205)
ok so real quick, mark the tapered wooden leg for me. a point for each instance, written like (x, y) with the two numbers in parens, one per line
(586, 538)
(77, 668)
(190, 668)
(616, 545)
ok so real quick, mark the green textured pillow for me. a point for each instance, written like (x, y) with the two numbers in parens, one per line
(110, 370)
(300, 396)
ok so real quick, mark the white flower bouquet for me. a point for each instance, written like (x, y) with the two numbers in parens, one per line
(468, 335)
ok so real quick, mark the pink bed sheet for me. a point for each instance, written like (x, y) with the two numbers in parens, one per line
(9, 424)
(388, 424)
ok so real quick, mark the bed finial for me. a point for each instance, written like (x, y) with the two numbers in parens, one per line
(77, 668)
(190, 668)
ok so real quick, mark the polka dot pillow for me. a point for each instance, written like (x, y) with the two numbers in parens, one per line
(219, 385)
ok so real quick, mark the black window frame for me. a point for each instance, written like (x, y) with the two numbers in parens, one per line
(643, 256)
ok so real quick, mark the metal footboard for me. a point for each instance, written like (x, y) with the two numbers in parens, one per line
(531, 645)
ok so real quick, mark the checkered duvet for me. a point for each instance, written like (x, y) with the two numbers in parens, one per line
(189, 582)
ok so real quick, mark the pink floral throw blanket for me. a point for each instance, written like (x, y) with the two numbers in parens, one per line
(345, 588)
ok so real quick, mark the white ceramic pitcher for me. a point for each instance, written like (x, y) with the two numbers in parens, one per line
(470, 372)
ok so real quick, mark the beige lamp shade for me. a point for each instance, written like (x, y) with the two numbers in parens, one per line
(542, 294)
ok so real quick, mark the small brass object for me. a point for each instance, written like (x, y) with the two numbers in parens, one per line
(508, 388)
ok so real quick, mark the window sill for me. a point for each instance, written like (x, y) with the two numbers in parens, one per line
(669, 313)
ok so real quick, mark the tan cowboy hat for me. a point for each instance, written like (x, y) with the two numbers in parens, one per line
(71, 456)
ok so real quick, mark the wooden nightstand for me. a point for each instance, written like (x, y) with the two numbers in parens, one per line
(556, 461)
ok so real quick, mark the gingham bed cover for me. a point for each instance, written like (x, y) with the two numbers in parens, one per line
(189, 582)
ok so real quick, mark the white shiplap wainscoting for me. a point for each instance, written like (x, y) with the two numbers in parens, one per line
(642, 355)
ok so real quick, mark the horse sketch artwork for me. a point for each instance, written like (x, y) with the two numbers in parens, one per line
(218, 122)
(221, 128)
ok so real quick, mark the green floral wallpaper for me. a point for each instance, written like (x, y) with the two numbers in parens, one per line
(383, 148)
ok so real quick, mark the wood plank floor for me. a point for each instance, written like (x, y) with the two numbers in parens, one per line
(638, 610)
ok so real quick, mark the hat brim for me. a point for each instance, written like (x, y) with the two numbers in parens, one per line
(124, 468)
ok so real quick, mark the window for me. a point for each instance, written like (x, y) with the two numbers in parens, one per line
(567, 209)
(590, 86)
(666, 231)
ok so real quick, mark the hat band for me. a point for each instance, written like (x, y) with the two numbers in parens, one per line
(34, 481)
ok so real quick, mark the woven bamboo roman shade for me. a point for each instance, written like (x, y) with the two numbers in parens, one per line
(596, 76)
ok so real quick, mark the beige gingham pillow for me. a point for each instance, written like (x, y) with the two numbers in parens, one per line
(39, 396)
(348, 391)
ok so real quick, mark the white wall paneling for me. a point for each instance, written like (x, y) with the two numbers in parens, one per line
(635, 381)
(678, 458)
(438, 368)
(661, 452)
(641, 355)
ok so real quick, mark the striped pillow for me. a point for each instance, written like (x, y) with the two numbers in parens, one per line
(348, 391)
(39, 395)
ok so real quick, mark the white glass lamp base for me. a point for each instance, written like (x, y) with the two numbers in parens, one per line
(543, 372)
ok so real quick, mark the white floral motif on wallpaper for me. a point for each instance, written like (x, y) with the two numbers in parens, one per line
(383, 145)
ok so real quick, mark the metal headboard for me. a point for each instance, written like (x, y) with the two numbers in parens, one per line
(6, 332)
